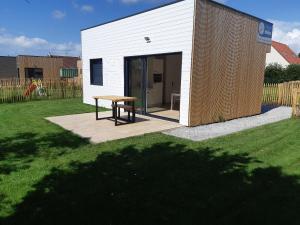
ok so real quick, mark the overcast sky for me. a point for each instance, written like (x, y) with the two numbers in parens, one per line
(53, 26)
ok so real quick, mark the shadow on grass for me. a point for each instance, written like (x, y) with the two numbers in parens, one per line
(2, 200)
(17, 152)
(164, 184)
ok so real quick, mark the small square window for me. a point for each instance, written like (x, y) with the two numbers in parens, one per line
(34, 73)
(96, 72)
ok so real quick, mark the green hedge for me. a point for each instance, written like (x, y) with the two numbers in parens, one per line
(275, 73)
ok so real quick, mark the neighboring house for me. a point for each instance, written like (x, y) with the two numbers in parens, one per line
(282, 54)
(79, 67)
(46, 67)
(8, 67)
(210, 55)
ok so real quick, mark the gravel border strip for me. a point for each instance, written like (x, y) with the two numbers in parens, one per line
(205, 132)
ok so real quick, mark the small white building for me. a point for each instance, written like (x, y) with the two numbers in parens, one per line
(281, 54)
(207, 55)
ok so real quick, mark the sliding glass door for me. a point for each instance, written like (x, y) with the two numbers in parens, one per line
(135, 80)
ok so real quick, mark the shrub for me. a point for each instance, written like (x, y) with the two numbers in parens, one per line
(274, 73)
(292, 72)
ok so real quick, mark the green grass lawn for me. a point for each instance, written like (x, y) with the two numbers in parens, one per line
(50, 176)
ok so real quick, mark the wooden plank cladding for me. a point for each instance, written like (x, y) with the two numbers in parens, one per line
(50, 65)
(8, 67)
(227, 66)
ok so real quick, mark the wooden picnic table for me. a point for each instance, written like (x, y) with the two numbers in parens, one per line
(115, 100)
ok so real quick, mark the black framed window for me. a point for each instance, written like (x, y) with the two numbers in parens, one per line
(36, 73)
(96, 72)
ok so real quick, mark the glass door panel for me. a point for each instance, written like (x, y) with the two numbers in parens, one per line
(135, 70)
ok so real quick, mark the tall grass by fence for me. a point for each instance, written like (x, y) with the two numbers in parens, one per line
(15, 90)
(270, 94)
(280, 94)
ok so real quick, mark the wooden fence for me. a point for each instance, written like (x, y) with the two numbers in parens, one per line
(280, 94)
(296, 102)
(16, 90)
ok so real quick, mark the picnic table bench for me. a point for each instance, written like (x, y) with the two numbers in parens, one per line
(129, 106)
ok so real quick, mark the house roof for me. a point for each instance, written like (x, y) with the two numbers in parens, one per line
(3, 56)
(171, 3)
(49, 56)
(287, 53)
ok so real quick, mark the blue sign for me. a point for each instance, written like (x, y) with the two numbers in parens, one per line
(265, 30)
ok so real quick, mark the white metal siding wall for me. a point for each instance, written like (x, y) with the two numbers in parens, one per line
(170, 29)
(275, 57)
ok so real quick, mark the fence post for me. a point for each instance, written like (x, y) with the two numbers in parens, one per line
(296, 102)
(280, 90)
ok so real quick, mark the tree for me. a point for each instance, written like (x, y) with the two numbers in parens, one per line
(274, 73)
(299, 54)
(292, 72)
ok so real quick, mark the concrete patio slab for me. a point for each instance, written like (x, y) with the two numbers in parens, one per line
(171, 114)
(86, 126)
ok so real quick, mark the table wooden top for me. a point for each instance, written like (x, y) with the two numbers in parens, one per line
(115, 98)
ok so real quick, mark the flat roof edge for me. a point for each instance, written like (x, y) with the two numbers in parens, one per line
(172, 3)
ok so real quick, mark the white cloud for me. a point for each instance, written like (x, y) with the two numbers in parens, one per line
(14, 45)
(87, 8)
(57, 14)
(21, 41)
(83, 8)
(130, 1)
(287, 33)
(155, 1)
(2, 30)
(75, 4)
